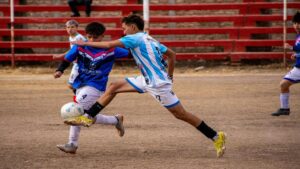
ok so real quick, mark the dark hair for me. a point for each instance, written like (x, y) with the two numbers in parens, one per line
(134, 19)
(296, 18)
(95, 28)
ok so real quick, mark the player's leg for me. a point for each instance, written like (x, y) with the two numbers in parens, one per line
(217, 137)
(87, 96)
(117, 122)
(72, 145)
(168, 99)
(122, 86)
(133, 84)
(289, 79)
(84, 96)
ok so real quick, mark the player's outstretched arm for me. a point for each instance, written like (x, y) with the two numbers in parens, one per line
(103, 44)
(59, 56)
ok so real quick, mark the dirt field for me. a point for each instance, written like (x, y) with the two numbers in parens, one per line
(237, 102)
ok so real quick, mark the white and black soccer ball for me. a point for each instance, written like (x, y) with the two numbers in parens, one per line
(70, 110)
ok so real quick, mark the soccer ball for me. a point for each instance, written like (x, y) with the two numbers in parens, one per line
(71, 109)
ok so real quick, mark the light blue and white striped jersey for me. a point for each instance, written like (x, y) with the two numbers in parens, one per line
(148, 55)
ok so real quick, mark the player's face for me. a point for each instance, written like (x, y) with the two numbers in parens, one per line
(71, 29)
(296, 27)
(128, 29)
(94, 38)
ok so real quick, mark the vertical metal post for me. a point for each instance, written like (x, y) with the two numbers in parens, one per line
(12, 34)
(146, 14)
(171, 24)
(284, 31)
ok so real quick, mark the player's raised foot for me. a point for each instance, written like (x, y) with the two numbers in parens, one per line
(219, 144)
(119, 125)
(80, 121)
(281, 111)
(67, 148)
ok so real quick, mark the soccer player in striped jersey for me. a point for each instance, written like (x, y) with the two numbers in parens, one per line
(156, 78)
(94, 66)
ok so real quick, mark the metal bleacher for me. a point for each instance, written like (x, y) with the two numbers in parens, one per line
(238, 29)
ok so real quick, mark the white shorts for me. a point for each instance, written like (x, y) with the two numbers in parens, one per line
(74, 73)
(293, 75)
(86, 96)
(163, 94)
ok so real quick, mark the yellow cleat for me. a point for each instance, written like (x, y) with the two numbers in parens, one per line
(80, 121)
(220, 144)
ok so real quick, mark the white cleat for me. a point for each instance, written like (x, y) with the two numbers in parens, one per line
(67, 148)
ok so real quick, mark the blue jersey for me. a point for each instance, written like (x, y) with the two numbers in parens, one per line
(94, 64)
(296, 49)
(148, 55)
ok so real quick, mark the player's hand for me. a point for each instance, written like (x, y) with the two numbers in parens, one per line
(57, 74)
(288, 46)
(293, 56)
(79, 42)
(57, 56)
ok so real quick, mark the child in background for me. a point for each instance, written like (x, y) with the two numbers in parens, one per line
(293, 76)
(72, 30)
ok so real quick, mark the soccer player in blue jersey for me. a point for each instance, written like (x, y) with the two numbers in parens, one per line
(94, 66)
(156, 78)
(293, 76)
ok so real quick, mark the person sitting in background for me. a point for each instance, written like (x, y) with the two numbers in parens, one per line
(74, 3)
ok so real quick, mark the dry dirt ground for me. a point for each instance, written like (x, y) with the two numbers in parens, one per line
(238, 102)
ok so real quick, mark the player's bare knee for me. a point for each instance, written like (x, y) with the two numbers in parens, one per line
(113, 86)
(281, 85)
(284, 86)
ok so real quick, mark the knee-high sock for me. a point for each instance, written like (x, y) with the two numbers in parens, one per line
(74, 134)
(284, 100)
(103, 119)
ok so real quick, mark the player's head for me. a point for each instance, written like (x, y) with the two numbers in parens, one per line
(296, 22)
(95, 31)
(132, 24)
(71, 27)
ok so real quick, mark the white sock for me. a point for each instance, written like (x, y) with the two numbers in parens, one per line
(215, 137)
(284, 100)
(87, 115)
(74, 135)
(102, 119)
